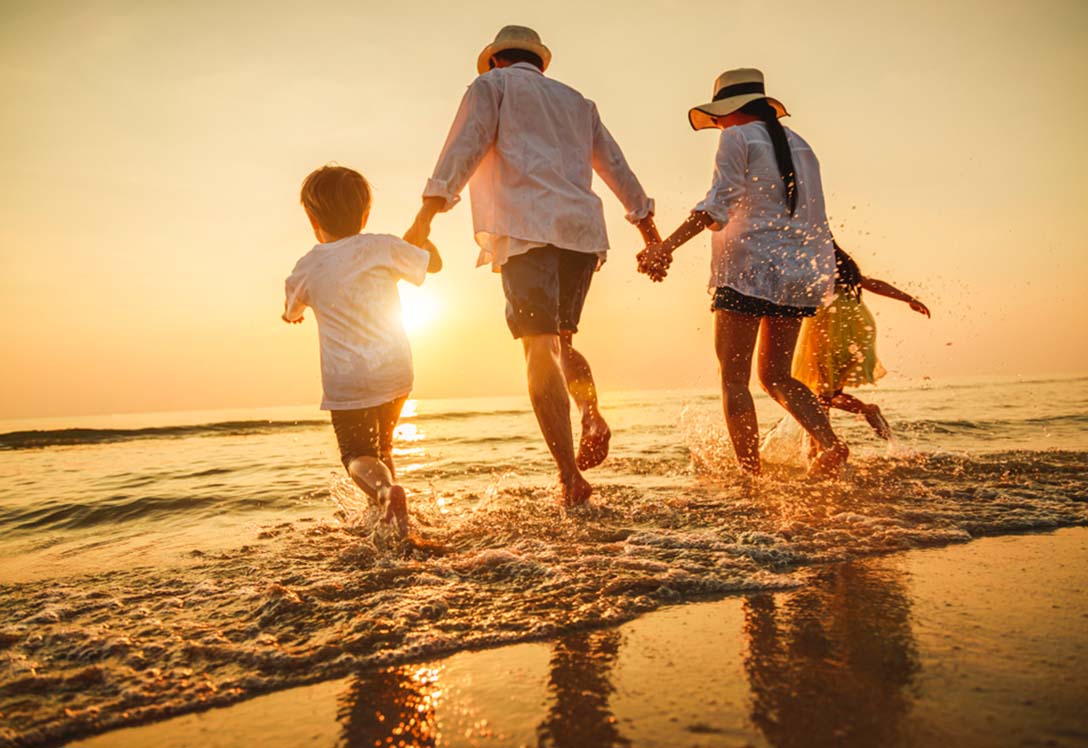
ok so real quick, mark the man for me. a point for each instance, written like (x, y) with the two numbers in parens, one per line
(530, 145)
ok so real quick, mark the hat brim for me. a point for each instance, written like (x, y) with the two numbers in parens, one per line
(702, 117)
(483, 62)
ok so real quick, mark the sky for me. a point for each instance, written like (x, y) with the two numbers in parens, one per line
(153, 154)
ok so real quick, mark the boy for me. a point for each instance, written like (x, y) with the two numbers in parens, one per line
(350, 280)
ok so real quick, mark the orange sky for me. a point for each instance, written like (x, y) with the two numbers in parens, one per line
(153, 154)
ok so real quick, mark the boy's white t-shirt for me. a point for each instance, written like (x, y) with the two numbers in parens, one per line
(351, 285)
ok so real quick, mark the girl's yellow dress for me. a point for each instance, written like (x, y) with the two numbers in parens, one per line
(836, 348)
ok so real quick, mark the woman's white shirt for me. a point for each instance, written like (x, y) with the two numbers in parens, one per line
(758, 248)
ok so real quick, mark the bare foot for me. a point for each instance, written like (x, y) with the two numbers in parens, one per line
(576, 491)
(396, 510)
(829, 462)
(876, 420)
(593, 448)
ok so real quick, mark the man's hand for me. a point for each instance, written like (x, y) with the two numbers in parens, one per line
(654, 261)
(420, 229)
(290, 321)
(919, 307)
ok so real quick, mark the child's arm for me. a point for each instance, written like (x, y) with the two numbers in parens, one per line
(295, 302)
(881, 288)
(434, 264)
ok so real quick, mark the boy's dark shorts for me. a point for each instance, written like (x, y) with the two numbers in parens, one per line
(546, 289)
(367, 432)
(734, 301)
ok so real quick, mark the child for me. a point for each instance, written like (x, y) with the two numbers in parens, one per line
(837, 346)
(350, 280)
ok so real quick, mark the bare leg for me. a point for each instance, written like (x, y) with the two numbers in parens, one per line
(872, 413)
(374, 478)
(548, 393)
(779, 337)
(593, 447)
(734, 342)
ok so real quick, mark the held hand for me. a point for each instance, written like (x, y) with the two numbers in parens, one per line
(919, 307)
(417, 234)
(654, 261)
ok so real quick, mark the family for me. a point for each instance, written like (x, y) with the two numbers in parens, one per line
(527, 146)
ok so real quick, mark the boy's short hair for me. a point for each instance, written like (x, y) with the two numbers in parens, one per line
(337, 198)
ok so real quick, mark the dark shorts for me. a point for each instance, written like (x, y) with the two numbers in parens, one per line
(546, 289)
(367, 432)
(732, 301)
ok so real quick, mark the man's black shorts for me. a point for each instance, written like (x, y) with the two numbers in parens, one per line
(546, 289)
(367, 432)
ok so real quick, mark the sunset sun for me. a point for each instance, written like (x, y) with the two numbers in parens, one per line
(419, 307)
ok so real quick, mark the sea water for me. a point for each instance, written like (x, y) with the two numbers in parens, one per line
(159, 563)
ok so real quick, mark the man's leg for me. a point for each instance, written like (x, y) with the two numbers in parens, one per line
(593, 448)
(548, 393)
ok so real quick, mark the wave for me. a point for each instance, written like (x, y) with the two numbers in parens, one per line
(318, 600)
(14, 440)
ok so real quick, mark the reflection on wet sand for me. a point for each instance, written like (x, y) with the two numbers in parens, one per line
(580, 685)
(830, 664)
(393, 706)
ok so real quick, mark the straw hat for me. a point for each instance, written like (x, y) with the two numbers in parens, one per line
(514, 37)
(732, 90)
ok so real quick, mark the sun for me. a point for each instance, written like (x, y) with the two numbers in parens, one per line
(419, 307)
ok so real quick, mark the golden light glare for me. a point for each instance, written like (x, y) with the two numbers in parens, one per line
(419, 307)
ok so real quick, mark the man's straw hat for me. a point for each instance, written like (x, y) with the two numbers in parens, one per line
(732, 90)
(514, 37)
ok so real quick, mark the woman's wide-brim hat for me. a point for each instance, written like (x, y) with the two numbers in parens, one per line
(513, 37)
(732, 90)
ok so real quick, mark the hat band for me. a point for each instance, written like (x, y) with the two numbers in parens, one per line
(738, 89)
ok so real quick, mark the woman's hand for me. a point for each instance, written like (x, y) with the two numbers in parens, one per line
(654, 261)
(919, 307)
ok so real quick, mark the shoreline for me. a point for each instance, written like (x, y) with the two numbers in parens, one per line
(948, 645)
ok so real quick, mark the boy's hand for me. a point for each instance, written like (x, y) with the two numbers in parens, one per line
(919, 307)
(290, 321)
(654, 261)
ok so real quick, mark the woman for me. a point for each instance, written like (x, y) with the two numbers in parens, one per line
(772, 263)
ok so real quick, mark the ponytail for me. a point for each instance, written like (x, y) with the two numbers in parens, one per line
(847, 273)
(762, 108)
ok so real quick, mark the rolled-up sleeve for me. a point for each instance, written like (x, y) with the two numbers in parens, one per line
(296, 299)
(471, 135)
(728, 186)
(610, 164)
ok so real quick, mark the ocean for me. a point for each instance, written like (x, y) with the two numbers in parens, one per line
(156, 564)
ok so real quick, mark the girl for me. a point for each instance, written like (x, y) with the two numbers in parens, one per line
(772, 261)
(837, 346)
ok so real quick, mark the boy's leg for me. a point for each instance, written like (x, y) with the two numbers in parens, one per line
(593, 447)
(358, 433)
(396, 508)
(548, 394)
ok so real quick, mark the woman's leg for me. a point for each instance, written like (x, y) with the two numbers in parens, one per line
(734, 342)
(779, 336)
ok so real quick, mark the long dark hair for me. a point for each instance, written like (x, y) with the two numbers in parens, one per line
(847, 273)
(762, 108)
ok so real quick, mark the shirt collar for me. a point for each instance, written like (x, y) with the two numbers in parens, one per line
(527, 66)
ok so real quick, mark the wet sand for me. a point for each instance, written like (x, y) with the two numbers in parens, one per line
(981, 644)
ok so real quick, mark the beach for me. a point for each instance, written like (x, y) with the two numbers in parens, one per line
(982, 644)
(163, 566)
